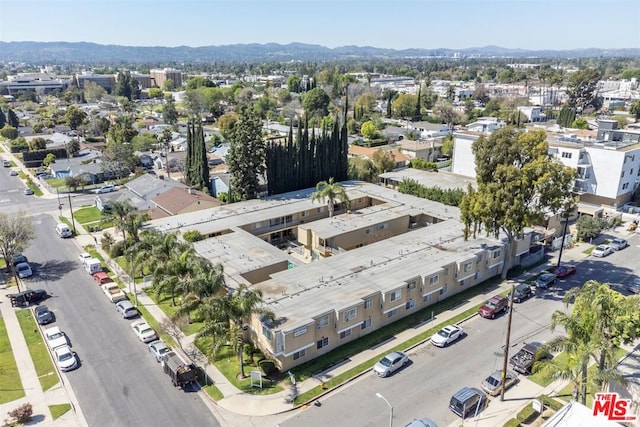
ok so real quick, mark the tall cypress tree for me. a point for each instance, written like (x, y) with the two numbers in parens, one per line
(246, 156)
(3, 119)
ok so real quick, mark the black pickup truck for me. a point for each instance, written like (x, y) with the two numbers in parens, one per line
(180, 372)
(524, 359)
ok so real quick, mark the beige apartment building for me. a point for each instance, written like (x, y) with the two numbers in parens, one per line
(340, 278)
(159, 76)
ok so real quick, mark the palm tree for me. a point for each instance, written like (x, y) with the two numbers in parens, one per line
(330, 191)
(226, 315)
(117, 215)
(175, 274)
(133, 223)
(207, 283)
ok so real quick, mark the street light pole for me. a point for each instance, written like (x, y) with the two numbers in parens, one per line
(390, 408)
(564, 233)
(506, 346)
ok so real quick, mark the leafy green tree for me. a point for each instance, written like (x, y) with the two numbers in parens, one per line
(361, 169)
(582, 88)
(38, 143)
(404, 105)
(193, 236)
(16, 231)
(126, 86)
(366, 103)
(121, 130)
(293, 83)
(48, 160)
(226, 122)
(517, 183)
(589, 227)
(368, 130)
(635, 110)
(196, 82)
(74, 117)
(331, 192)
(9, 132)
(384, 161)
(566, 117)
(73, 182)
(246, 157)
(447, 145)
(156, 93)
(169, 111)
(118, 159)
(580, 123)
(144, 142)
(444, 110)
(73, 147)
(168, 85)
(316, 102)
(93, 92)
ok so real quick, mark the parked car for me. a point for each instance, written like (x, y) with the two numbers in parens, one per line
(390, 363)
(65, 358)
(43, 315)
(158, 349)
(521, 292)
(493, 383)
(18, 258)
(493, 306)
(106, 189)
(6, 163)
(23, 270)
(28, 192)
(447, 335)
(467, 401)
(24, 298)
(618, 244)
(55, 337)
(565, 270)
(634, 286)
(13, 172)
(83, 257)
(601, 251)
(126, 309)
(545, 280)
(101, 278)
(527, 356)
(144, 332)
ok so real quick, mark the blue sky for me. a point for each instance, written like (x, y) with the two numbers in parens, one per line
(397, 24)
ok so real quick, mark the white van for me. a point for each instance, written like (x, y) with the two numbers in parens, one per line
(92, 265)
(63, 231)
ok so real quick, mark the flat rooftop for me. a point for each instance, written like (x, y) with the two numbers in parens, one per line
(443, 179)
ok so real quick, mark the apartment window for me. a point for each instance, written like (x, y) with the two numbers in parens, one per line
(257, 225)
(443, 290)
(426, 298)
(322, 322)
(479, 260)
(566, 155)
(298, 354)
(367, 231)
(410, 304)
(461, 282)
(631, 171)
(467, 266)
(368, 302)
(411, 284)
(625, 185)
(392, 312)
(366, 324)
(477, 276)
(318, 210)
(350, 314)
(267, 333)
(433, 280)
(300, 331)
(622, 174)
(383, 226)
(323, 342)
(638, 171)
(303, 213)
(395, 295)
(446, 271)
(496, 254)
(345, 334)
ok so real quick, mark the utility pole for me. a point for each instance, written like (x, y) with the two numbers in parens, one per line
(73, 222)
(564, 233)
(505, 362)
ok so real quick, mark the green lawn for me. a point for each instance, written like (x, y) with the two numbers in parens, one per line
(11, 388)
(85, 215)
(59, 410)
(35, 187)
(164, 302)
(544, 377)
(56, 183)
(39, 353)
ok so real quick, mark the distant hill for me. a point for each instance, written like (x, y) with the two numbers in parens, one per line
(83, 52)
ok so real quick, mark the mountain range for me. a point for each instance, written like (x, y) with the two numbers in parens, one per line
(84, 52)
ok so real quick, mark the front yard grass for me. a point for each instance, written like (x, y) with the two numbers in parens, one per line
(11, 384)
(39, 353)
(58, 410)
(164, 302)
(85, 215)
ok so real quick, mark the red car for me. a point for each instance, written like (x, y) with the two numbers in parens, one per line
(564, 270)
(101, 278)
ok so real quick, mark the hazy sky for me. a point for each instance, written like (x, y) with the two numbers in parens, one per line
(398, 24)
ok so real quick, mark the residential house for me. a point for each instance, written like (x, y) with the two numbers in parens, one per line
(429, 150)
(176, 201)
(401, 160)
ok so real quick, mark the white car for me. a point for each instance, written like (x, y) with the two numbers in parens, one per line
(65, 358)
(601, 251)
(390, 363)
(24, 270)
(55, 337)
(447, 335)
(144, 332)
(83, 257)
(158, 348)
(106, 189)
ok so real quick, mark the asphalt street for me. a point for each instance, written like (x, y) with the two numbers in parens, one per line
(424, 387)
(118, 383)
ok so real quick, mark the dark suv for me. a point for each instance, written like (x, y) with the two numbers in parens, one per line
(30, 296)
(521, 293)
(495, 305)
